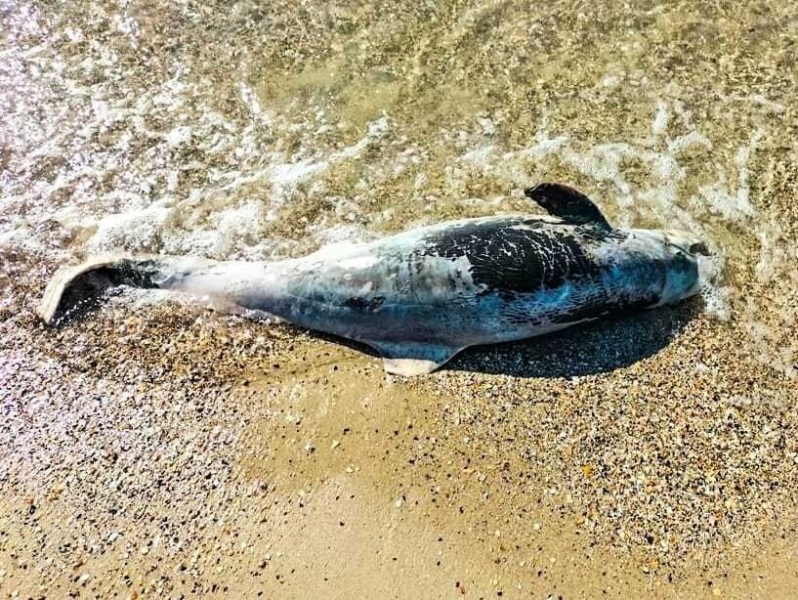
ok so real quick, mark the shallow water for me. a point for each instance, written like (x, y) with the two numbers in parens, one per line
(269, 129)
(254, 130)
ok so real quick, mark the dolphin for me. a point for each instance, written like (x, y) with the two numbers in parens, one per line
(420, 297)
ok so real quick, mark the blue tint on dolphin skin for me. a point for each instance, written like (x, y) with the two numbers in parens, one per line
(421, 296)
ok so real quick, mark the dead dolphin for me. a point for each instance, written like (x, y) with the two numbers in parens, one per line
(422, 296)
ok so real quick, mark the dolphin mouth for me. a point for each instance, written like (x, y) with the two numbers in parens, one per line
(687, 243)
(699, 248)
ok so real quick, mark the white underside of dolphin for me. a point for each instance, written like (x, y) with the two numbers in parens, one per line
(422, 296)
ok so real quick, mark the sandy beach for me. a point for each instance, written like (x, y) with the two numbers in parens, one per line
(156, 448)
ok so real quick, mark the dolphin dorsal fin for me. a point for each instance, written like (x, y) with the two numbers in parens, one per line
(568, 204)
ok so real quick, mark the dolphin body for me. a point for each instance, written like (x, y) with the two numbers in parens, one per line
(422, 296)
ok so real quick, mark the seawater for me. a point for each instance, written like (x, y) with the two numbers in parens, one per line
(232, 133)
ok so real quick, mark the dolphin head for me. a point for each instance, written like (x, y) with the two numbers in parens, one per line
(681, 251)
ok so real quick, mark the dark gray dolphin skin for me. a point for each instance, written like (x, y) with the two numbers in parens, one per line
(420, 297)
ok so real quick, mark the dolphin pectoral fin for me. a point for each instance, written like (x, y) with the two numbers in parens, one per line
(413, 359)
(409, 367)
(568, 204)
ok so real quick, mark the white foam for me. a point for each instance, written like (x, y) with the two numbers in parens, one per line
(480, 155)
(133, 230)
(660, 123)
(733, 204)
(334, 235)
(178, 136)
(714, 294)
(757, 100)
(251, 101)
(21, 20)
(129, 26)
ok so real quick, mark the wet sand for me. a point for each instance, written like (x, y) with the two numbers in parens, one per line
(158, 448)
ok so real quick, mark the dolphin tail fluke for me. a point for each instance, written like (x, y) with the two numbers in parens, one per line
(82, 285)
